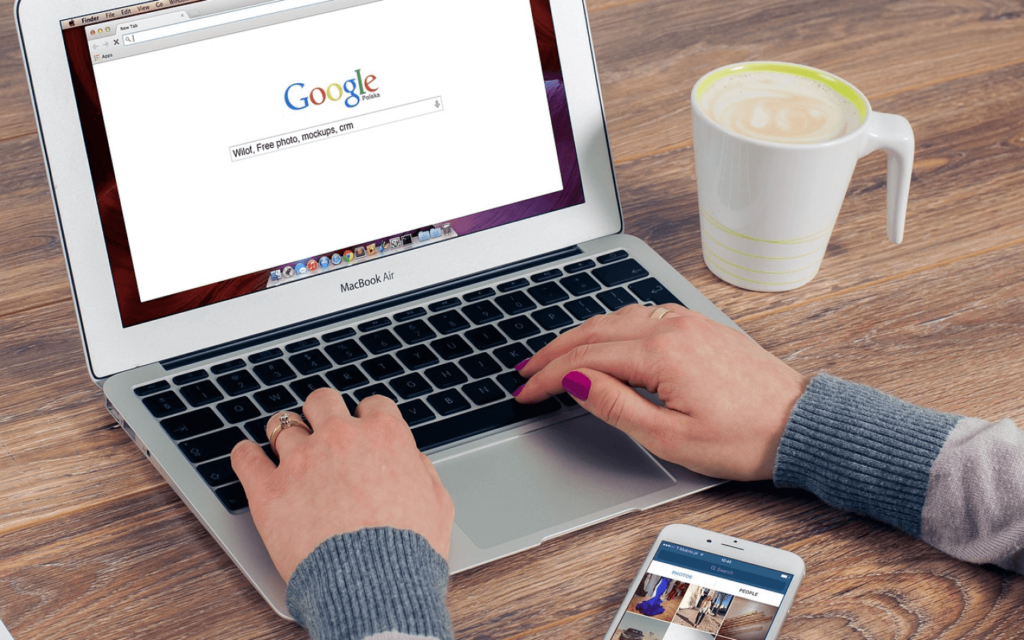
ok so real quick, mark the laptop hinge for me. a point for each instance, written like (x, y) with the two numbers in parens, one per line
(340, 316)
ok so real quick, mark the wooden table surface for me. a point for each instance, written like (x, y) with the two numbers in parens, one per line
(94, 545)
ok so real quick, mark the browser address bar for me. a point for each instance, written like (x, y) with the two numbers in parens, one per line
(228, 17)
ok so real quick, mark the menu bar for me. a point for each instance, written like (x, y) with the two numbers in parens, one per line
(124, 12)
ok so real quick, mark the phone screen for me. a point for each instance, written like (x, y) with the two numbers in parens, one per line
(688, 594)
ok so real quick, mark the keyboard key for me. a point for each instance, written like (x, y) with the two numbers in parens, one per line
(258, 430)
(616, 298)
(373, 325)
(191, 376)
(201, 393)
(485, 419)
(233, 497)
(485, 338)
(512, 354)
(345, 352)
(451, 347)
(514, 303)
(211, 446)
(224, 367)
(217, 472)
(447, 375)
(309, 362)
(576, 267)
(614, 256)
(519, 328)
(483, 312)
(548, 293)
(583, 308)
(580, 284)
(552, 318)
(411, 386)
(350, 403)
(513, 285)
(382, 368)
(415, 332)
(650, 290)
(274, 372)
(306, 386)
(416, 412)
(347, 378)
(511, 380)
(302, 345)
(269, 454)
(620, 272)
(479, 365)
(483, 392)
(340, 334)
(410, 314)
(441, 305)
(373, 390)
(448, 402)
(473, 296)
(164, 404)
(238, 383)
(544, 276)
(274, 399)
(567, 400)
(263, 356)
(380, 342)
(191, 424)
(540, 342)
(448, 322)
(417, 357)
(151, 388)
(238, 410)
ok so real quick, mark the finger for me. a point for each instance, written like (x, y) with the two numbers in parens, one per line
(285, 440)
(625, 360)
(251, 465)
(322, 405)
(620, 405)
(378, 404)
(628, 323)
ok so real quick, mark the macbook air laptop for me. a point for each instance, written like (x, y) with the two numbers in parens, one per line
(394, 197)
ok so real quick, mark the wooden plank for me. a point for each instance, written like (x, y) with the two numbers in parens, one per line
(16, 117)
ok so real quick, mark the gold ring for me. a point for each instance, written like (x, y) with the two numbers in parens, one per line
(660, 312)
(285, 420)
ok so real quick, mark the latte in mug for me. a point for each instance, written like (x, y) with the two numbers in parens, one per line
(781, 107)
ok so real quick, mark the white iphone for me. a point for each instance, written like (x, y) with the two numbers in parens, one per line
(700, 585)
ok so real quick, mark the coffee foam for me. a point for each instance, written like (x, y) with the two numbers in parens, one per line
(779, 107)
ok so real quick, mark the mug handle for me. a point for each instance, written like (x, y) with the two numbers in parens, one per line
(893, 134)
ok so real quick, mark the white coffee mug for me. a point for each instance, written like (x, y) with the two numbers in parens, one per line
(767, 209)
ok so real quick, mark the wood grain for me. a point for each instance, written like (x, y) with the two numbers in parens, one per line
(95, 546)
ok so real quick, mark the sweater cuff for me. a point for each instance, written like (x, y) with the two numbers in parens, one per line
(372, 581)
(862, 450)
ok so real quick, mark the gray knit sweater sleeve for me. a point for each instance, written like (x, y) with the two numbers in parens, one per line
(957, 483)
(374, 584)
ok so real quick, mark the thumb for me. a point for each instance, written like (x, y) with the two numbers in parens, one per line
(613, 401)
(251, 465)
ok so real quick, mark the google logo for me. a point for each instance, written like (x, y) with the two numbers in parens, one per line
(355, 88)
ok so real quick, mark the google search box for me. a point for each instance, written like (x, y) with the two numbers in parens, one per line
(334, 129)
(228, 17)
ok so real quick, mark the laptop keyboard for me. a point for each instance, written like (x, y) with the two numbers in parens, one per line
(449, 366)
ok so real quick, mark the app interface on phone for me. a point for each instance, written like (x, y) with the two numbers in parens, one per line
(687, 594)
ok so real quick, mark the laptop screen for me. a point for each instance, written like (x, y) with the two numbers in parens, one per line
(237, 146)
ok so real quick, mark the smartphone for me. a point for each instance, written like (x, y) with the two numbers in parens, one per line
(701, 585)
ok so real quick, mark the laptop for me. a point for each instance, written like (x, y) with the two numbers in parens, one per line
(396, 197)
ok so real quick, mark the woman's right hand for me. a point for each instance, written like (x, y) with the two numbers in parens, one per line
(726, 400)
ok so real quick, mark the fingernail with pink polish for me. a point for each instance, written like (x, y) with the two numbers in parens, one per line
(519, 390)
(519, 367)
(577, 384)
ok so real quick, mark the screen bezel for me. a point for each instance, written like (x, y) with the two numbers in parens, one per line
(743, 550)
(111, 348)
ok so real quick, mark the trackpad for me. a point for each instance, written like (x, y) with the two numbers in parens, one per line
(545, 478)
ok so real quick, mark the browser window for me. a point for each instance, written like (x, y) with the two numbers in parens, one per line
(239, 147)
